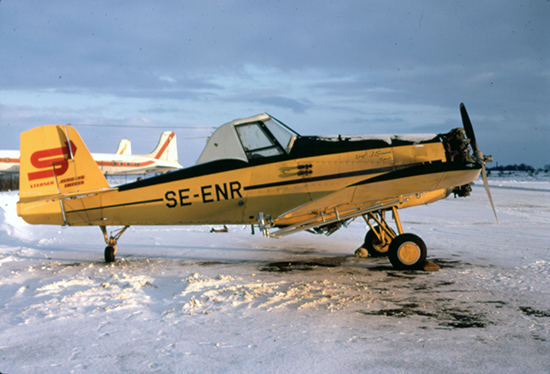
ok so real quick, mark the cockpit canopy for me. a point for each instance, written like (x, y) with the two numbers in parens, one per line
(263, 136)
(245, 139)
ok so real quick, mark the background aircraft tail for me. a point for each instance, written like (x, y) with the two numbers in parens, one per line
(167, 149)
(55, 164)
(124, 147)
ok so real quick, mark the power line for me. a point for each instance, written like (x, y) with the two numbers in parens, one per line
(145, 127)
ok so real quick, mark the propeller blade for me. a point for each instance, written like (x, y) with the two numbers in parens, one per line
(486, 184)
(466, 122)
(468, 128)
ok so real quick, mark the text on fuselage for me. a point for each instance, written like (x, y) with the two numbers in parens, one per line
(208, 194)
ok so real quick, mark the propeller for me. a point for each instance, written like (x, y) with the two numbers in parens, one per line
(478, 156)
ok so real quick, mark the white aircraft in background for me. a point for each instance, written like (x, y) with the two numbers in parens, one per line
(163, 158)
(9, 162)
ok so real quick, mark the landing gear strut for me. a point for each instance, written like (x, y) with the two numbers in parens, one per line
(378, 239)
(405, 251)
(111, 241)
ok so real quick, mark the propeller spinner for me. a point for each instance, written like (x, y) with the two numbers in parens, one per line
(478, 156)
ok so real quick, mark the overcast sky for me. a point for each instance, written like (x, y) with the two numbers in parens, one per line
(136, 68)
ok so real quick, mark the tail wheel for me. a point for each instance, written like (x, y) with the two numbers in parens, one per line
(110, 253)
(407, 252)
(377, 241)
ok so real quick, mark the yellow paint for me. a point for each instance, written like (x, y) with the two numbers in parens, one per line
(408, 253)
(73, 191)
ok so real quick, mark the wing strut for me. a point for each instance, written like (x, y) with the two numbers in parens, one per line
(323, 218)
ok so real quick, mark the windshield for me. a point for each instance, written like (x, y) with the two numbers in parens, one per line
(257, 142)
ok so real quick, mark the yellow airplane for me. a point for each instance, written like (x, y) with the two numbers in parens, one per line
(260, 172)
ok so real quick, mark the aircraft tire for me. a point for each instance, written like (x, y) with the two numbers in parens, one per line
(374, 246)
(110, 254)
(407, 252)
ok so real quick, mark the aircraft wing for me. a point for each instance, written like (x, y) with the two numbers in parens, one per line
(326, 217)
(417, 185)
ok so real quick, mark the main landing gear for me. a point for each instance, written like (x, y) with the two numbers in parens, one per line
(111, 241)
(405, 251)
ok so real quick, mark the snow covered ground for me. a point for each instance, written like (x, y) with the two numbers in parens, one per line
(184, 300)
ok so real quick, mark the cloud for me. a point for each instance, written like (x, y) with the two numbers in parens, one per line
(402, 63)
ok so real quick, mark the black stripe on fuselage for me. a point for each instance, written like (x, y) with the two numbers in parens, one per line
(388, 173)
(304, 147)
(417, 170)
(326, 177)
(187, 173)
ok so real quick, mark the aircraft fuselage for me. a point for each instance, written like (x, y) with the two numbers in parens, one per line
(235, 192)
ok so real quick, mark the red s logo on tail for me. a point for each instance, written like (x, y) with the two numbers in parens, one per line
(54, 160)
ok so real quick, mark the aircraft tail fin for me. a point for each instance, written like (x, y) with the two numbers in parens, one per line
(55, 163)
(167, 149)
(55, 160)
(124, 147)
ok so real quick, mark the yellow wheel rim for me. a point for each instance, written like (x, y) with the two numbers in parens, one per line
(409, 253)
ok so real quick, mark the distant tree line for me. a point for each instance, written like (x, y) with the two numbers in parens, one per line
(521, 167)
